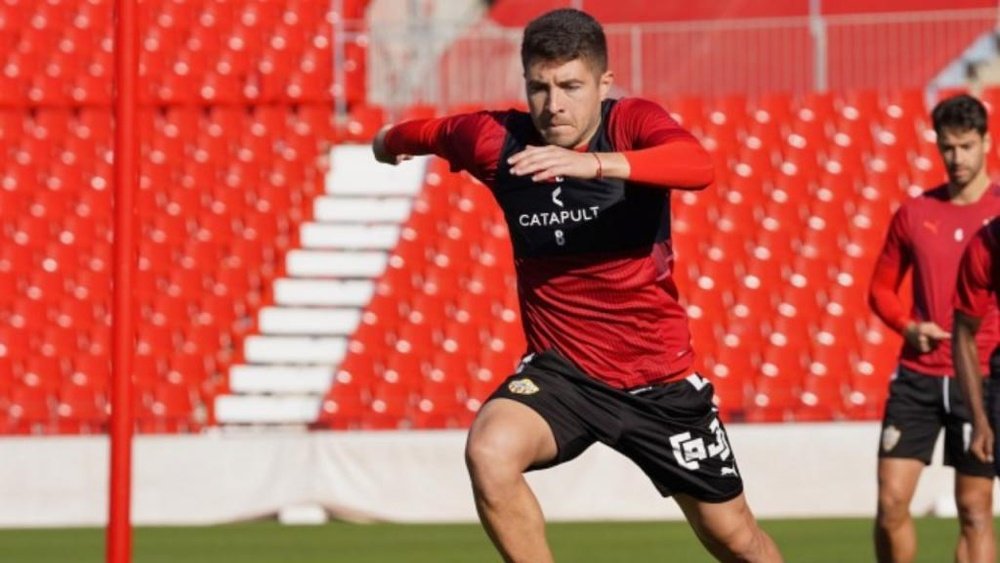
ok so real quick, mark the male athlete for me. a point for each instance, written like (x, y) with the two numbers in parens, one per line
(975, 299)
(929, 233)
(584, 183)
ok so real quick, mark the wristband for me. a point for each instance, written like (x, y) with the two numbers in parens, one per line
(600, 166)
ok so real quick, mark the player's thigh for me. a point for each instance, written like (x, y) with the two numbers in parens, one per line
(912, 420)
(728, 523)
(897, 480)
(512, 432)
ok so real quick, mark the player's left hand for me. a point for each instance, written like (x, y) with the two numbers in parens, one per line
(547, 162)
(981, 444)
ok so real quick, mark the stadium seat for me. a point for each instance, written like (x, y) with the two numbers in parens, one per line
(29, 411)
(343, 407)
(80, 409)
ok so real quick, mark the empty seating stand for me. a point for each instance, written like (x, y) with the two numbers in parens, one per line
(243, 282)
(235, 121)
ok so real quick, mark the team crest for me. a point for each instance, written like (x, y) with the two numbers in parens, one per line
(522, 386)
(890, 437)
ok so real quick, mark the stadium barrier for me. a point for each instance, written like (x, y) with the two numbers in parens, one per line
(801, 470)
(752, 57)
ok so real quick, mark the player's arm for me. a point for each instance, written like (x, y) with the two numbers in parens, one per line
(657, 151)
(965, 354)
(381, 151)
(973, 296)
(458, 139)
(891, 267)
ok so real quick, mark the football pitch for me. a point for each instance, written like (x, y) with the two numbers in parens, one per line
(834, 541)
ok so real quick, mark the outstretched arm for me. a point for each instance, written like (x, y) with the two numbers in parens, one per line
(467, 141)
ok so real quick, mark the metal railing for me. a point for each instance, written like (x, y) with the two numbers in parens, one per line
(707, 58)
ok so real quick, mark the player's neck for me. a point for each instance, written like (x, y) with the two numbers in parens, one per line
(584, 143)
(971, 192)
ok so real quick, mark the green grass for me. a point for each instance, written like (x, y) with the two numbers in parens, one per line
(835, 541)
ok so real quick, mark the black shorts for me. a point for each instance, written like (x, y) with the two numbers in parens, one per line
(918, 407)
(671, 431)
(992, 393)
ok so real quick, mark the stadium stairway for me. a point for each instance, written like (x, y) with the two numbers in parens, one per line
(303, 336)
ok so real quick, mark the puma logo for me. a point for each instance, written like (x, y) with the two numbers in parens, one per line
(931, 226)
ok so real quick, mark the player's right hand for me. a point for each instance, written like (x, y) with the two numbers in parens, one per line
(925, 336)
(380, 151)
(981, 444)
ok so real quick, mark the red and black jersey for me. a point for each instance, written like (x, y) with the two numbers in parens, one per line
(593, 258)
(978, 286)
(929, 233)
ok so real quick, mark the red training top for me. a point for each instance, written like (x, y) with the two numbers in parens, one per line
(978, 284)
(593, 257)
(929, 233)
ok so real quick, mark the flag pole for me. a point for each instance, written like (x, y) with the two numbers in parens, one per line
(126, 156)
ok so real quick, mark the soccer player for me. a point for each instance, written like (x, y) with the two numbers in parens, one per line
(975, 299)
(584, 183)
(928, 234)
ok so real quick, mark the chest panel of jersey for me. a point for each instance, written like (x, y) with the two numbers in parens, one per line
(575, 216)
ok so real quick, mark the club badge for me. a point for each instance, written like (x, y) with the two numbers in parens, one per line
(522, 386)
(890, 437)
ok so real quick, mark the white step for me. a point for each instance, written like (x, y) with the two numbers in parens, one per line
(344, 263)
(325, 321)
(363, 237)
(354, 171)
(247, 409)
(288, 379)
(260, 349)
(336, 209)
(336, 293)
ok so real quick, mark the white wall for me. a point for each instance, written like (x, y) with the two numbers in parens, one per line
(790, 470)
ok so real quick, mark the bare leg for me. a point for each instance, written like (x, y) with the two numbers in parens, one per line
(895, 535)
(974, 496)
(729, 530)
(506, 439)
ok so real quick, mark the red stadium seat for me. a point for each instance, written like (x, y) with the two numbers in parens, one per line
(29, 411)
(343, 407)
(80, 410)
(170, 410)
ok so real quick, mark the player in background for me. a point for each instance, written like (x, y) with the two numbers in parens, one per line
(975, 299)
(928, 234)
(584, 183)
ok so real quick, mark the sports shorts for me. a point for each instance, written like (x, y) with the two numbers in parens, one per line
(670, 430)
(919, 406)
(992, 393)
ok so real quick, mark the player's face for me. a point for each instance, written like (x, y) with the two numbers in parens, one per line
(565, 100)
(963, 152)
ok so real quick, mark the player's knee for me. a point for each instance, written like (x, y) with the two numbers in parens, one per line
(489, 458)
(893, 507)
(975, 511)
(747, 543)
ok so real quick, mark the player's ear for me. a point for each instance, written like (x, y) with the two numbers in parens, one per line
(604, 83)
(987, 142)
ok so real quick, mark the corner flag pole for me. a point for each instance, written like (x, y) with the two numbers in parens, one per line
(119, 531)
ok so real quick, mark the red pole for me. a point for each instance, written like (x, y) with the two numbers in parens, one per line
(119, 532)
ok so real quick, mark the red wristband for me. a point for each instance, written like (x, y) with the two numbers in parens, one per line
(600, 166)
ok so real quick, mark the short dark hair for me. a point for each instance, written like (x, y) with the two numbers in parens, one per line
(563, 35)
(962, 112)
